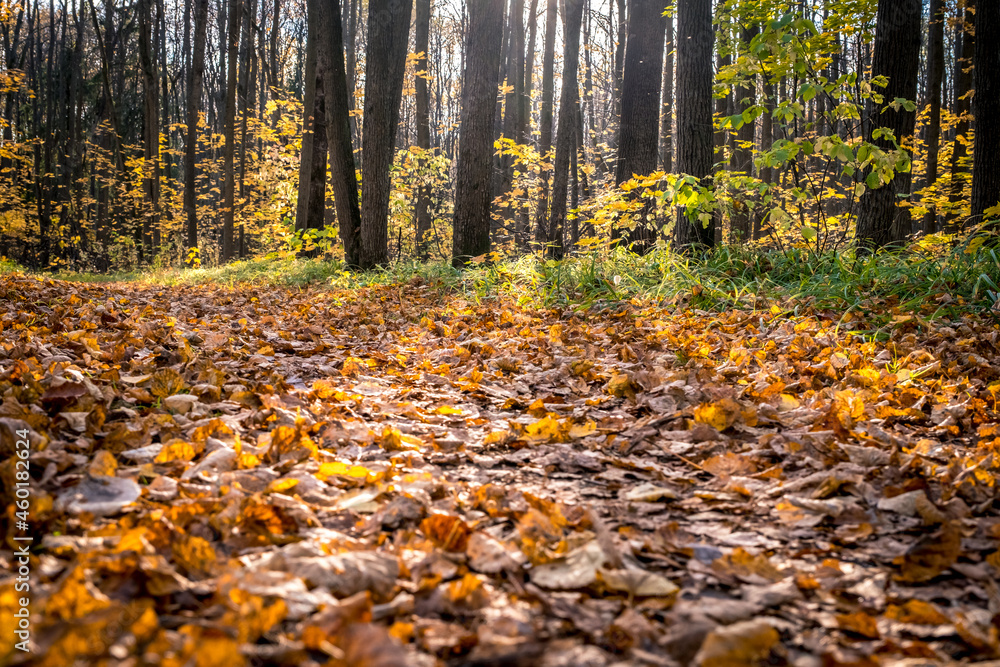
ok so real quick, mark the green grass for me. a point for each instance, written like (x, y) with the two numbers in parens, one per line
(934, 283)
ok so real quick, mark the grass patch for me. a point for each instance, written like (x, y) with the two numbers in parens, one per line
(933, 283)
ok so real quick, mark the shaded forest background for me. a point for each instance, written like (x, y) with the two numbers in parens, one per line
(161, 133)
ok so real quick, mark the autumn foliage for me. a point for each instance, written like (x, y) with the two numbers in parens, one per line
(399, 475)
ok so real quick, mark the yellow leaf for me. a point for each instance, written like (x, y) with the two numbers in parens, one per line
(104, 463)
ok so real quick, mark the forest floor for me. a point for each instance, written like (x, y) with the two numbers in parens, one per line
(228, 475)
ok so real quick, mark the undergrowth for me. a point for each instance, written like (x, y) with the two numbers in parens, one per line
(927, 281)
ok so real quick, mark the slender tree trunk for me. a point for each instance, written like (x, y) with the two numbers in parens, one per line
(963, 109)
(564, 141)
(742, 160)
(618, 70)
(640, 104)
(475, 148)
(545, 120)
(274, 80)
(195, 78)
(667, 102)
(330, 62)
(935, 74)
(228, 167)
(897, 56)
(985, 107)
(513, 105)
(311, 201)
(421, 212)
(385, 65)
(354, 9)
(694, 110)
(151, 126)
(524, 134)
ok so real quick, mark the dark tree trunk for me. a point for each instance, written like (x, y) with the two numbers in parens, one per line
(963, 109)
(512, 105)
(354, 10)
(694, 110)
(151, 131)
(640, 119)
(524, 131)
(667, 102)
(195, 78)
(385, 65)
(935, 74)
(330, 62)
(897, 56)
(985, 109)
(619, 68)
(229, 173)
(273, 80)
(475, 147)
(311, 202)
(421, 212)
(545, 120)
(567, 126)
(742, 160)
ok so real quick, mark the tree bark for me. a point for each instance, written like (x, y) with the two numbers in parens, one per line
(694, 110)
(742, 159)
(985, 106)
(512, 105)
(228, 167)
(475, 149)
(311, 203)
(567, 126)
(523, 230)
(897, 56)
(195, 79)
(151, 131)
(545, 121)
(344, 179)
(421, 212)
(385, 65)
(963, 109)
(640, 104)
(667, 101)
(935, 74)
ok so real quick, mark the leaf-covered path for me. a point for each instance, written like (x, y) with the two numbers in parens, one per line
(226, 476)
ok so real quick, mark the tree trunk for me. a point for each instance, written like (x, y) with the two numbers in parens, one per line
(935, 74)
(694, 110)
(475, 147)
(228, 167)
(151, 131)
(512, 105)
(385, 65)
(195, 78)
(524, 131)
(330, 62)
(618, 69)
(545, 121)
(897, 56)
(567, 128)
(640, 104)
(985, 106)
(742, 160)
(421, 207)
(311, 203)
(667, 101)
(273, 80)
(963, 109)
